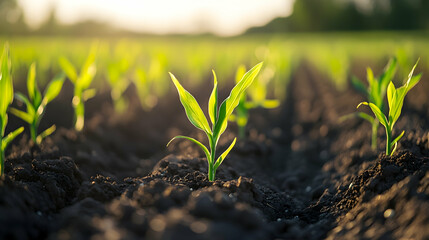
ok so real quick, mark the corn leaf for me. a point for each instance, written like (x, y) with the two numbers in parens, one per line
(6, 88)
(68, 69)
(377, 112)
(359, 86)
(21, 97)
(224, 154)
(388, 74)
(213, 100)
(54, 88)
(9, 138)
(271, 103)
(21, 114)
(231, 102)
(34, 94)
(192, 108)
(45, 133)
(88, 94)
(205, 150)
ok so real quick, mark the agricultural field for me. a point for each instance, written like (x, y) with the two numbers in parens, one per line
(130, 138)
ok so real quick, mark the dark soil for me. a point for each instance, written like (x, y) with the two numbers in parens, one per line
(300, 174)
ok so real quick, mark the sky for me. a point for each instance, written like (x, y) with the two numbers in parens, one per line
(221, 17)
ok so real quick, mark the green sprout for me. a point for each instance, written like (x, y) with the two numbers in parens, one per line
(6, 98)
(218, 116)
(395, 99)
(375, 93)
(116, 76)
(36, 103)
(81, 84)
(258, 94)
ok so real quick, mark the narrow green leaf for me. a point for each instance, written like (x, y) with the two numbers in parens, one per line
(205, 150)
(270, 103)
(213, 100)
(359, 86)
(388, 74)
(377, 112)
(6, 87)
(68, 69)
(362, 115)
(89, 69)
(192, 108)
(33, 91)
(224, 154)
(9, 138)
(370, 76)
(45, 133)
(231, 102)
(88, 94)
(398, 137)
(21, 97)
(23, 115)
(54, 88)
(391, 94)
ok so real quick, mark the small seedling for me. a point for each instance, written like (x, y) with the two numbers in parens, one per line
(6, 98)
(375, 93)
(395, 99)
(258, 98)
(36, 103)
(116, 76)
(81, 84)
(218, 116)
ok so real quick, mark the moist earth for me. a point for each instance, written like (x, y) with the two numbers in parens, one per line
(299, 174)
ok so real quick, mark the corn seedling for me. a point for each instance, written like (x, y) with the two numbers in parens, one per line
(395, 99)
(116, 76)
(36, 103)
(81, 84)
(257, 94)
(375, 93)
(6, 98)
(218, 116)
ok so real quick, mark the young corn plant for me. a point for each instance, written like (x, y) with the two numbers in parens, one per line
(116, 76)
(81, 82)
(6, 98)
(395, 99)
(375, 93)
(36, 103)
(257, 94)
(218, 116)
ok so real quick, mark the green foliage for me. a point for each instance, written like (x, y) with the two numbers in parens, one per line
(375, 93)
(218, 116)
(6, 98)
(118, 81)
(258, 98)
(36, 103)
(395, 99)
(81, 84)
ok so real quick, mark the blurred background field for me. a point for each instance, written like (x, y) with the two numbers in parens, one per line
(339, 38)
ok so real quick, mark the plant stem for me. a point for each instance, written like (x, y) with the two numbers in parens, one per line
(211, 162)
(388, 141)
(33, 132)
(375, 125)
(2, 158)
(241, 132)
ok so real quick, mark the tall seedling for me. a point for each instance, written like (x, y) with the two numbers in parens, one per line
(218, 116)
(6, 98)
(118, 81)
(36, 103)
(395, 99)
(81, 84)
(375, 93)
